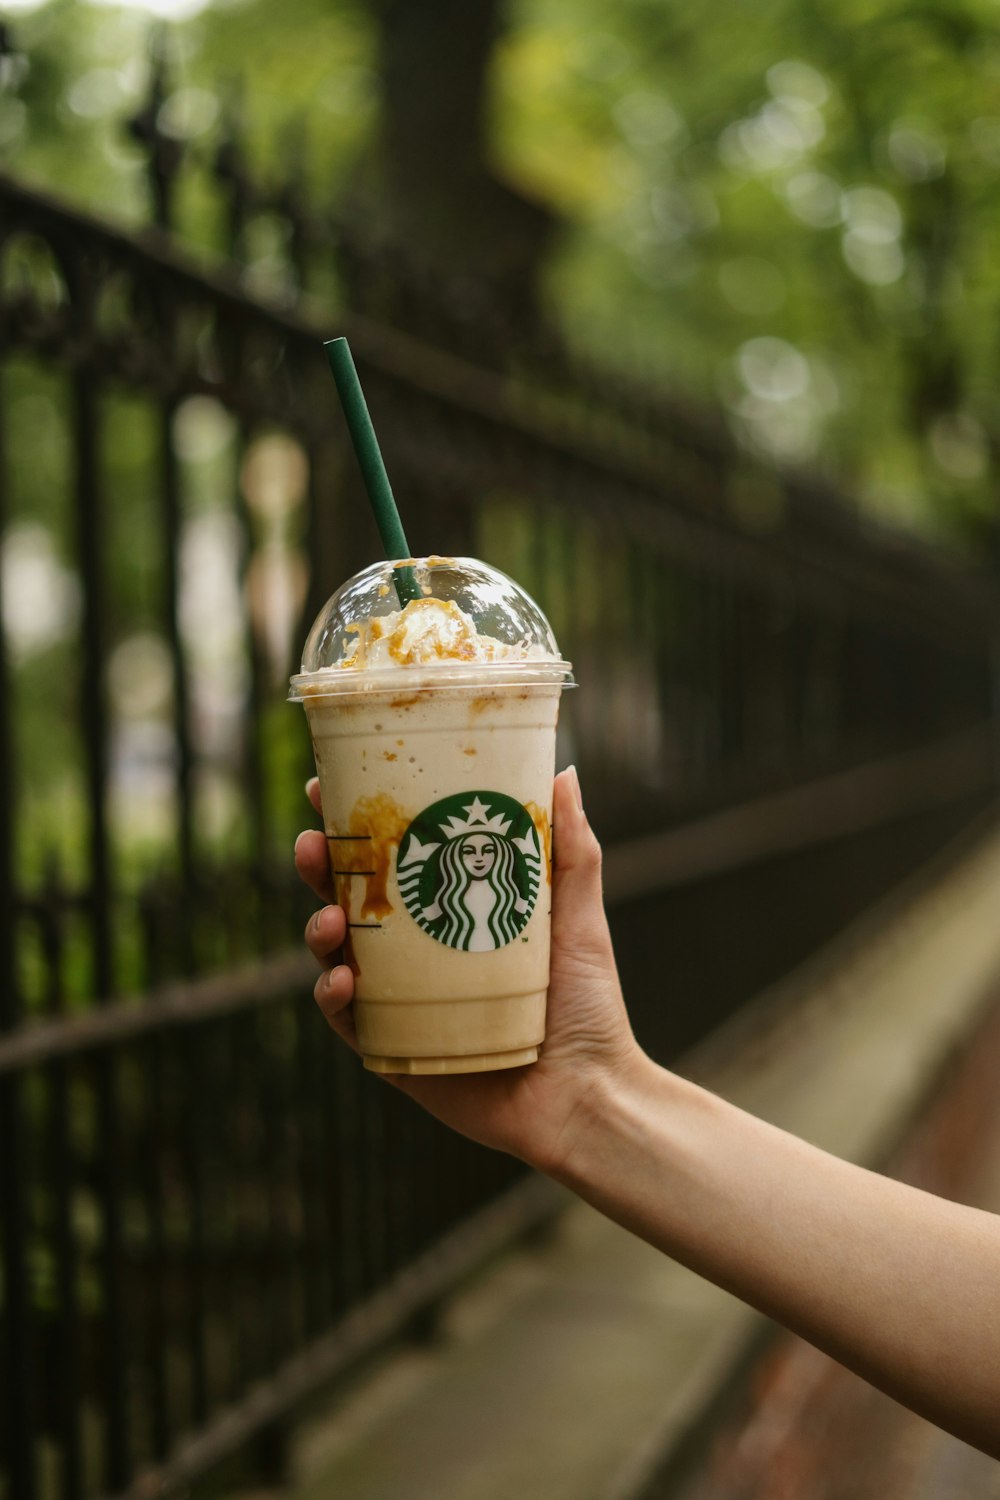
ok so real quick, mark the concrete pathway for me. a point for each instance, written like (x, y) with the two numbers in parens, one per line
(807, 1429)
(569, 1369)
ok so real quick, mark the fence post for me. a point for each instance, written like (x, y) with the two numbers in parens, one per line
(272, 1454)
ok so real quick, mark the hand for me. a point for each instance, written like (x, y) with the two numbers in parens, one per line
(532, 1111)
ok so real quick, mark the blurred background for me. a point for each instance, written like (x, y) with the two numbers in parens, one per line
(788, 216)
(686, 319)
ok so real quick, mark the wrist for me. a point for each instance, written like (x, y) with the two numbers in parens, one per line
(614, 1107)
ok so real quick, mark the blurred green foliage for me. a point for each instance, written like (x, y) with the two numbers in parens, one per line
(787, 208)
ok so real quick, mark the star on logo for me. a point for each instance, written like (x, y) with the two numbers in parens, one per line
(527, 844)
(478, 817)
(417, 852)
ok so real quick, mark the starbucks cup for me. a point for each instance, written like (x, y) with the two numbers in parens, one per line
(433, 728)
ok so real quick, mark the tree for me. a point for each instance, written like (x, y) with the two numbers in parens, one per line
(428, 186)
(787, 209)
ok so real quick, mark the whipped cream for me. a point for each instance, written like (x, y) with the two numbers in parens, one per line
(427, 632)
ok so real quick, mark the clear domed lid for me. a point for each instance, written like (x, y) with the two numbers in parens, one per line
(463, 615)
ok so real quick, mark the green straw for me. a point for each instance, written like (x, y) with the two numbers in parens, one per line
(369, 456)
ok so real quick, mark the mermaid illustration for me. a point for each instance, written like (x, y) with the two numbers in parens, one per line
(476, 889)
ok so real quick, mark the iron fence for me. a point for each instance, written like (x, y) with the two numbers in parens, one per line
(205, 1211)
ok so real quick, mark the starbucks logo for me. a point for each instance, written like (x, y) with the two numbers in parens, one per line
(469, 868)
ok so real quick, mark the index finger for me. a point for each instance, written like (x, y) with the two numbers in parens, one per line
(313, 864)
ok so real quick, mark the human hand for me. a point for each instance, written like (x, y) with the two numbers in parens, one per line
(532, 1111)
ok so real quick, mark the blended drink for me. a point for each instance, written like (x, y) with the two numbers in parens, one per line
(433, 727)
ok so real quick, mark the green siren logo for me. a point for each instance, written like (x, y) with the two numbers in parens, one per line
(469, 868)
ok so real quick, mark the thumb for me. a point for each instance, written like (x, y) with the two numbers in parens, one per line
(577, 897)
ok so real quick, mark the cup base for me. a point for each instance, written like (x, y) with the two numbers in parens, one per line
(475, 1062)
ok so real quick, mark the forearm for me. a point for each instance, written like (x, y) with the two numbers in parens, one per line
(899, 1285)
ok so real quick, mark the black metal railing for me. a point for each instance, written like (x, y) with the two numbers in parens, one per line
(205, 1211)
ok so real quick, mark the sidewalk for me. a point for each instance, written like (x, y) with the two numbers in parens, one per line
(809, 1430)
(582, 1368)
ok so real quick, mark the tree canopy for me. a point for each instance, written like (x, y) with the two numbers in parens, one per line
(786, 209)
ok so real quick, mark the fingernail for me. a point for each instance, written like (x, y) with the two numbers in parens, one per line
(310, 782)
(299, 840)
(314, 924)
(578, 794)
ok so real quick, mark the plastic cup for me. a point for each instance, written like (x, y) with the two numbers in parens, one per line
(434, 735)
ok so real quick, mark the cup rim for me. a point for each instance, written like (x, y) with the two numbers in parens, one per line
(337, 682)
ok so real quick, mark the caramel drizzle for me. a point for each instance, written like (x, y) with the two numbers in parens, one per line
(376, 826)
